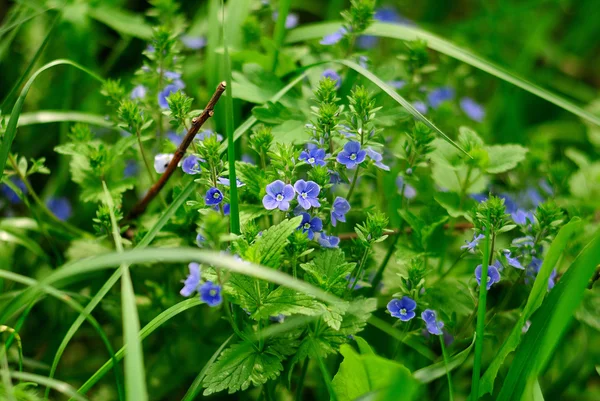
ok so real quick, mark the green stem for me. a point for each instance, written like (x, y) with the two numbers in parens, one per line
(360, 268)
(481, 317)
(279, 34)
(353, 184)
(379, 275)
(326, 378)
(445, 354)
(301, 380)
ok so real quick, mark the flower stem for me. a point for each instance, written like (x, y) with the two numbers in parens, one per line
(481, 317)
(445, 354)
(360, 268)
(353, 184)
(301, 380)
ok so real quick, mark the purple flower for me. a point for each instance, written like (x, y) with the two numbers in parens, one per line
(534, 268)
(522, 217)
(403, 309)
(226, 182)
(161, 162)
(11, 195)
(546, 187)
(334, 177)
(333, 38)
(207, 133)
(279, 195)
(200, 240)
(334, 76)
(473, 244)
(310, 225)
(420, 106)
(60, 207)
(213, 196)
(339, 208)
(363, 61)
(308, 193)
(328, 241)
(131, 169)
(383, 14)
(193, 42)
(191, 165)
(211, 294)
(138, 92)
(377, 158)
(472, 109)
(192, 281)
(439, 95)
(493, 275)
(533, 195)
(314, 157)
(551, 280)
(514, 262)
(277, 319)
(174, 138)
(409, 191)
(291, 21)
(397, 84)
(165, 93)
(352, 155)
(431, 323)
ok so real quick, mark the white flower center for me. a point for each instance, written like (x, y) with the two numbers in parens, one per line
(304, 195)
(353, 156)
(213, 292)
(311, 160)
(403, 311)
(489, 279)
(306, 226)
(216, 195)
(279, 197)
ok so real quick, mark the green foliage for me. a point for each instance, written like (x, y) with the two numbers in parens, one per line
(328, 270)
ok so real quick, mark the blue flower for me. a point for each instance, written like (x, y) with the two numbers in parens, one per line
(211, 294)
(431, 323)
(470, 246)
(138, 92)
(11, 195)
(363, 61)
(308, 193)
(352, 155)
(191, 165)
(403, 309)
(174, 138)
(207, 133)
(334, 76)
(161, 162)
(514, 262)
(534, 196)
(328, 241)
(493, 275)
(534, 268)
(277, 319)
(551, 280)
(339, 208)
(192, 281)
(213, 196)
(397, 84)
(522, 217)
(420, 106)
(131, 169)
(509, 203)
(333, 38)
(279, 195)
(383, 14)
(377, 158)
(472, 109)
(409, 191)
(226, 182)
(439, 95)
(291, 21)
(200, 240)
(165, 93)
(310, 225)
(314, 157)
(60, 207)
(366, 41)
(193, 42)
(334, 177)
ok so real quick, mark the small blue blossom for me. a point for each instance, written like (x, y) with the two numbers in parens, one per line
(11, 195)
(192, 281)
(314, 157)
(334, 177)
(409, 191)
(207, 133)
(60, 207)
(522, 217)
(514, 262)
(534, 196)
(363, 61)
(291, 21)
(403, 309)
(339, 208)
(472, 109)
(534, 268)
(213, 196)
(308, 193)
(397, 84)
(333, 38)
(279, 195)
(193, 42)
(175, 138)
(377, 158)
(383, 14)
(165, 93)
(470, 246)
(277, 319)
(310, 225)
(200, 240)
(138, 92)
(210, 293)
(328, 241)
(521, 242)
(420, 106)
(226, 208)
(440, 95)
(509, 203)
(492, 278)
(431, 323)
(226, 182)
(334, 76)
(546, 187)
(551, 280)
(131, 169)
(352, 155)
(353, 280)
(191, 165)
(150, 49)
(161, 162)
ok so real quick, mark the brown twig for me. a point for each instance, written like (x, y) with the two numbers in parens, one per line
(457, 227)
(197, 123)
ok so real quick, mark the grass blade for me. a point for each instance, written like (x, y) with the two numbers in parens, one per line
(59, 386)
(11, 128)
(279, 34)
(437, 370)
(550, 322)
(409, 33)
(57, 116)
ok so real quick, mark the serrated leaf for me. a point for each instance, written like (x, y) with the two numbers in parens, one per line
(285, 301)
(504, 157)
(451, 202)
(328, 270)
(276, 113)
(268, 248)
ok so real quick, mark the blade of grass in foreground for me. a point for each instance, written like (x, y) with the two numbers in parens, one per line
(135, 377)
(408, 33)
(58, 116)
(59, 386)
(279, 34)
(550, 322)
(437, 370)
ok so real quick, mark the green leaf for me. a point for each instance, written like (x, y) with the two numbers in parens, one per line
(56, 116)
(269, 246)
(285, 301)
(361, 374)
(536, 297)
(328, 270)
(451, 202)
(437, 370)
(240, 366)
(124, 22)
(550, 322)
(276, 113)
(504, 157)
(589, 310)
(57, 385)
(256, 85)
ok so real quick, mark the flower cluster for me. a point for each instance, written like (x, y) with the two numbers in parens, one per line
(209, 292)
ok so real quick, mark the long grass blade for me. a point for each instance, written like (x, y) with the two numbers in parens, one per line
(57, 116)
(437, 370)
(409, 33)
(279, 34)
(59, 386)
